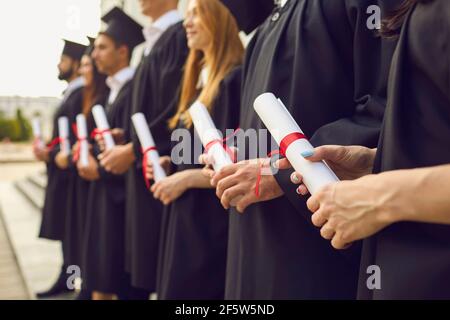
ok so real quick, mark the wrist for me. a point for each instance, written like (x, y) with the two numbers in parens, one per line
(402, 204)
(188, 178)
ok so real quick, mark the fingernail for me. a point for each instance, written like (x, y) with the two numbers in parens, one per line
(294, 178)
(307, 153)
(298, 191)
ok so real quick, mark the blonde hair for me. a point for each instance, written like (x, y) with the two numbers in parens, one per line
(223, 54)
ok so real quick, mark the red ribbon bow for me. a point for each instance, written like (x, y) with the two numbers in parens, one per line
(284, 145)
(52, 144)
(97, 131)
(144, 164)
(224, 145)
(76, 154)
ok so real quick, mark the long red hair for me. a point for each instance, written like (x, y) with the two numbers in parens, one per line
(225, 52)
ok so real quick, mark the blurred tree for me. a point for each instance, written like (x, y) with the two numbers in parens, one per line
(18, 129)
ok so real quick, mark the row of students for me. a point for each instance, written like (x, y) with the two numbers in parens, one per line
(332, 72)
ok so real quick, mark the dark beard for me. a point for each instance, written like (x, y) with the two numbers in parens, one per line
(65, 75)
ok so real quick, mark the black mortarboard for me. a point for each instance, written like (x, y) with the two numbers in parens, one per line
(249, 14)
(73, 49)
(122, 28)
(90, 48)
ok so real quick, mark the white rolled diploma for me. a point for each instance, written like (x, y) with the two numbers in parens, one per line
(63, 131)
(147, 141)
(102, 124)
(207, 131)
(82, 140)
(280, 123)
(37, 132)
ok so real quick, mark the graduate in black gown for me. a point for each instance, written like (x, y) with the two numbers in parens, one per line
(155, 94)
(104, 273)
(194, 244)
(330, 70)
(95, 92)
(404, 207)
(54, 213)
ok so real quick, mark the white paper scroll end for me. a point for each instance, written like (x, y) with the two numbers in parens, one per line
(101, 121)
(208, 133)
(280, 124)
(63, 132)
(37, 132)
(82, 140)
(147, 141)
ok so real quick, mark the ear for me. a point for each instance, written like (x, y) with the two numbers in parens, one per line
(124, 52)
(76, 66)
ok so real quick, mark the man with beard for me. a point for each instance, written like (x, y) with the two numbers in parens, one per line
(53, 217)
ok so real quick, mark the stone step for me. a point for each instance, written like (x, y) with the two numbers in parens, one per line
(12, 282)
(32, 192)
(39, 260)
(39, 180)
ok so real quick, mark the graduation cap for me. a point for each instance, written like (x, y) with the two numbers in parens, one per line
(90, 48)
(249, 14)
(73, 49)
(122, 28)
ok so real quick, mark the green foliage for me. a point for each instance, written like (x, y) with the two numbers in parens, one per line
(17, 129)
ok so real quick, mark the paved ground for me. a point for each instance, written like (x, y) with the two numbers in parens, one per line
(12, 284)
(27, 264)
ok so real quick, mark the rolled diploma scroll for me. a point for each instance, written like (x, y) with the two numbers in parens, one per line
(82, 140)
(280, 123)
(146, 140)
(37, 132)
(63, 131)
(102, 124)
(207, 131)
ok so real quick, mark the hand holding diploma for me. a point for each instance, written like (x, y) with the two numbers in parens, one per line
(103, 129)
(348, 162)
(164, 162)
(118, 135)
(292, 142)
(150, 154)
(89, 172)
(118, 159)
(235, 185)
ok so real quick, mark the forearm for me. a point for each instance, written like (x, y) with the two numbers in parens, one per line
(195, 179)
(424, 195)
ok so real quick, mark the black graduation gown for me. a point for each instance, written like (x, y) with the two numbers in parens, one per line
(56, 193)
(155, 93)
(104, 246)
(78, 190)
(414, 258)
(196, 225)
(330, 70)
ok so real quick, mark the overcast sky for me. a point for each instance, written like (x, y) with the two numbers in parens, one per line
(30, 37)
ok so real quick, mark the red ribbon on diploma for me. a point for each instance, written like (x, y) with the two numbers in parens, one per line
(52, 144)
(76, 154)
(144, 164)
(284, 145)
(224, 145)
(97, 131)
